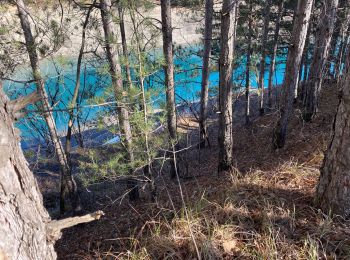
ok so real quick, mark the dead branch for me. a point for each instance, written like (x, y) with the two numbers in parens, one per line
(15, 106)
(54, 227)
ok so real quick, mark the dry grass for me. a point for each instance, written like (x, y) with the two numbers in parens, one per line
(263, 209)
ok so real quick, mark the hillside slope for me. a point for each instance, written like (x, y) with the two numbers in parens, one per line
(263, 209)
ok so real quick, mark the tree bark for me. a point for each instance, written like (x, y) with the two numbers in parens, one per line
(263, 56)
(333, 193)
(341, 23)
(109, 29)
(124, 44)
(320, 55)
(169, 77)
(341, 52)
(228, 14)
(23, 218)
(274, 52)
(248, 64)
(292, 70)
(68, 185)
(208, 32)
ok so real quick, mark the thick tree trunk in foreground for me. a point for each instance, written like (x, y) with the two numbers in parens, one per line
(248, 65)
(109, 29)
(228, 14)
(169, 76)
(322, 44)
(333, 193)
(23, 217)
(274, 53)
(208, 32)
(68, 185)
(263, 56)
(292, 70)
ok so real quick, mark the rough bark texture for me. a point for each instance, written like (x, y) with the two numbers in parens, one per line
(228, 14)
(109, 29)
(23, 217)
(263, 55)
(68, 185)
(296, 48)
(208, 32)
(169, 75)
(320, 55)
(333, 192)
(274, 52)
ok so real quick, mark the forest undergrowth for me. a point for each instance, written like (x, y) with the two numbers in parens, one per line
(262, 209)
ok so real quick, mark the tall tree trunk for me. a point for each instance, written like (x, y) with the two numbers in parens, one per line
(23, 217)
(320, 55)
(248, 65)
(169, 76)
(304, 66)
(342, 51)
(208, 32)
(333, 193)
(68, 185)
(76, 88)
(263, 56)
(124, 44)
(339, 26)
(292, 70)
(274, 52)
(228, 14)
(109, 29)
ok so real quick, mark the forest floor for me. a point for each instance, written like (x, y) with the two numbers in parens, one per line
(263, 209)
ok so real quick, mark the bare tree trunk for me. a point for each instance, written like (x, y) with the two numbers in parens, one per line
(124, 44)
(333, 193)
(68, 185)
(341, 53)
(292, 70)
(228, 15)
(339, 29)
(304, 67)
(248, 65)
(208, 32)
(23, 217)
(322, 44)
(274, 52)
(169, 76)
(263, 56)
(76, 88)
(109, 29)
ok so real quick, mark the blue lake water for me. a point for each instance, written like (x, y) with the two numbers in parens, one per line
(59, 75)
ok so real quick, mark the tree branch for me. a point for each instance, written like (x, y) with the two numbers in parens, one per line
(15, 106)
(54, 227)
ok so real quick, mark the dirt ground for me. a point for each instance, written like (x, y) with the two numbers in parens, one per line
(262, 209)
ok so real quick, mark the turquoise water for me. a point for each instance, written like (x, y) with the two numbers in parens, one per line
(60, 76)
